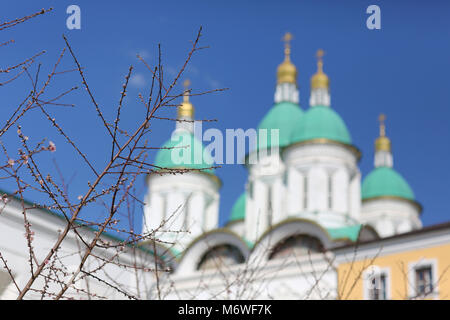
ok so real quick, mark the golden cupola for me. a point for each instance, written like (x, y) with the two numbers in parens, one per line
(382, 143)
(287, 72)
(186, 109)
(320, 80)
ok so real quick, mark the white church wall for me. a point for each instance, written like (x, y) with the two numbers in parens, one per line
(175, 212)
(317, 189)
(266, 178)
(192, 256)
(390, 216)
(196, 213)
(278, 201)
(355, 196)
(295, 192)
(212, 212)
(340, 191)
(46, 228)
(257, 222)
(154, 213)
(332, 183)
(265, 245)
(291, 278)
(237, 227)
(191, 199)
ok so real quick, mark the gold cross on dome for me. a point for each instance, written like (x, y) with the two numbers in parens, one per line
(382, 118)
(319, 54)
(287, 44)
(186, 85)
(287, 38)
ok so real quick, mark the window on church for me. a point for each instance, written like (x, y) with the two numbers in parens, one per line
(424, 280)
(298, 245)
(376, 283)
(377, 290)
(221, 256)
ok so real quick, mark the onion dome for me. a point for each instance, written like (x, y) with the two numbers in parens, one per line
(384, 181)
(320, 80)
(184, 151)
(284, 116)
(382, 143)
(186, 109)
(287, 72)
(321, 122)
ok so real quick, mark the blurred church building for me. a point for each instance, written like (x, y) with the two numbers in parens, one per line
(307, 225)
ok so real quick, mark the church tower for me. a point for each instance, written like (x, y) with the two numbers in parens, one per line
(389, 204)
(265, 196)
(320, 84)
(287, 89)
(323, 179)
(183, 198)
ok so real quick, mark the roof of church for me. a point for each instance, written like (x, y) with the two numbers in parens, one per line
(92, 228)
(284, 116)
(321, 122)
(428, 229)
(184, 151)
(385, 181)
(349, 232)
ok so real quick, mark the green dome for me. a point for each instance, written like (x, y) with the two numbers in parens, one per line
(384, 181)
(238, 210)
(284, 116)
(321, 122)
(184, 151)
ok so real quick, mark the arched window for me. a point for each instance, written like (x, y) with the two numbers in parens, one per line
(220, 256)
(296, 245)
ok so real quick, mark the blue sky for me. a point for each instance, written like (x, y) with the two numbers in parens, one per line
(401, 70)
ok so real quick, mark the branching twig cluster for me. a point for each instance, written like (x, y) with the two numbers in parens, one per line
(113, 187)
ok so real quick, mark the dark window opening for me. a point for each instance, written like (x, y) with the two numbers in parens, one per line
(378, 287)
(424, 280)
(298, 245)
(220, 256)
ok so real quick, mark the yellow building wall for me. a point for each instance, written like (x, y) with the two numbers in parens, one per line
(350, 279)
